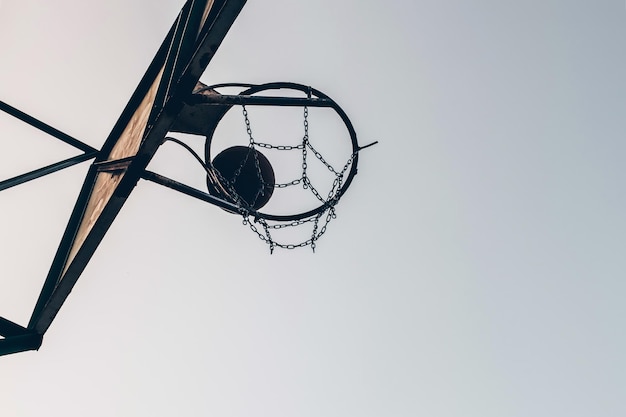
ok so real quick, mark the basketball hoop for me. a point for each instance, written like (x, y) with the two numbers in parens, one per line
(242, 179)
(243, 176)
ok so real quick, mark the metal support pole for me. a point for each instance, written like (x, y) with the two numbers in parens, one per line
(15, 344)
(8, 328)
(17, 338)
(20, 179)
(190, 191)
(46, 128)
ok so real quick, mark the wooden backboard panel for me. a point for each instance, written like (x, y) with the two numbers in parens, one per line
(129, 141)
(103, 189)
(106, 182)
(152, 110)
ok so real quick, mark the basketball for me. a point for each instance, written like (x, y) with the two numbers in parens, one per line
(254, 185)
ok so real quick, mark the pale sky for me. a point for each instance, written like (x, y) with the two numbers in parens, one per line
(476, 266)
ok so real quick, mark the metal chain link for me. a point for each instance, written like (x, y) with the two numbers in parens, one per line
(288, 184)
(321, 158)
(278, 147)
(305, 140)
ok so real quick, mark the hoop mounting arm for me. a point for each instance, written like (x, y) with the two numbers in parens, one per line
(248, 100)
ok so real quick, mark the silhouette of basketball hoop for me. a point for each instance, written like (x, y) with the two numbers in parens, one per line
(241, 178)
(169, 99)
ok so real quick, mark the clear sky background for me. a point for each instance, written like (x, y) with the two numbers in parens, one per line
(477, 264)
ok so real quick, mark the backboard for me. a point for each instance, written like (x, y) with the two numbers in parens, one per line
(182, 58)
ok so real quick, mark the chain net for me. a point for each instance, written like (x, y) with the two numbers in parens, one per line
(266, 229)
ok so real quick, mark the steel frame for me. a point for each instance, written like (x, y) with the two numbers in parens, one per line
(183, 56)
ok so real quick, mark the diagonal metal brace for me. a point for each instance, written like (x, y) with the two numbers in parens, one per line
(89, 152)
(17, 338)
(29, 176)
(21, 343)
(46, 128)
